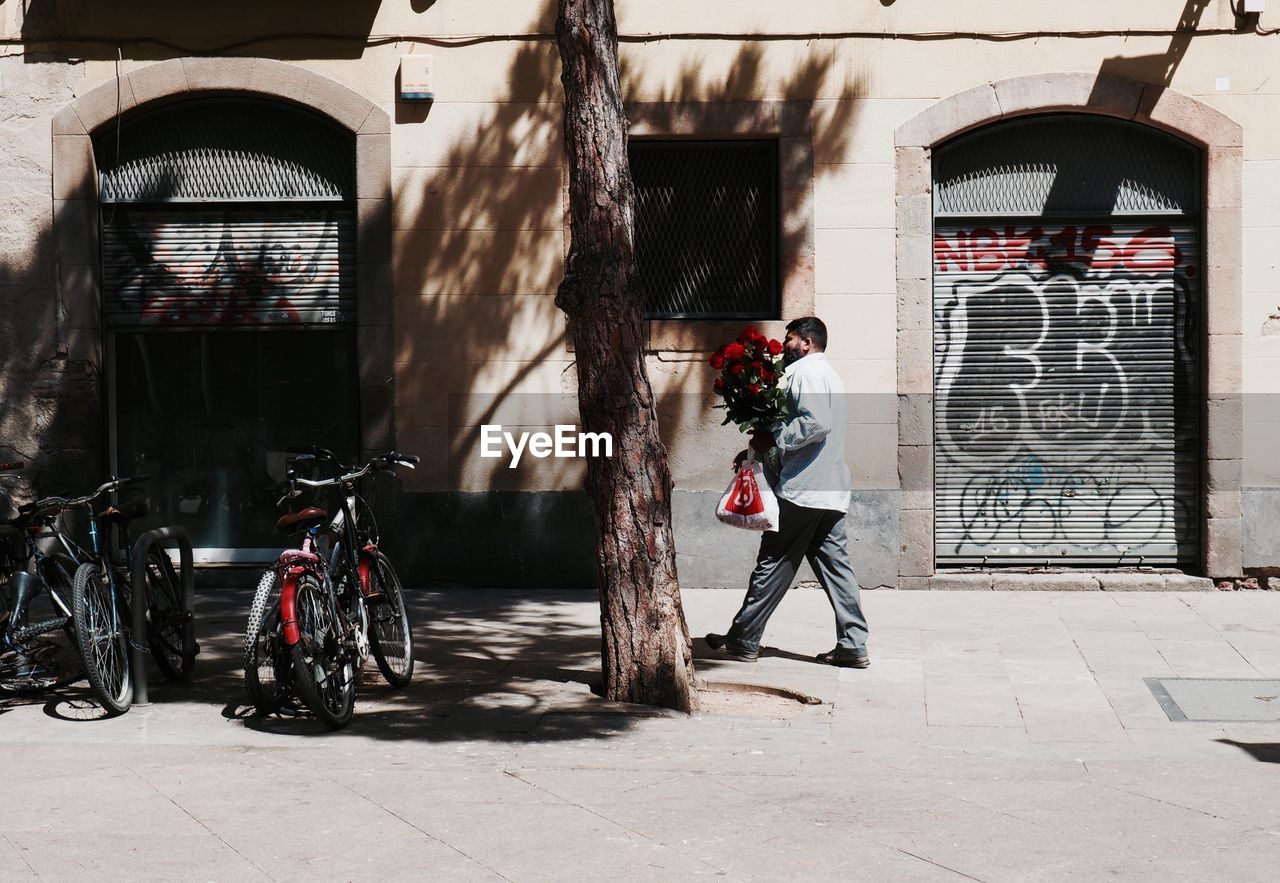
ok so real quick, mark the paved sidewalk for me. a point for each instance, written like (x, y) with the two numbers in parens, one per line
(997, 736)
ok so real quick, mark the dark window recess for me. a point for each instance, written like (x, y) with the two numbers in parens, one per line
(707, 228)
(209, 416)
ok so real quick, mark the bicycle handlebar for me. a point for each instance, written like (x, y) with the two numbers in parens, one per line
(57, 504)
(292, 483)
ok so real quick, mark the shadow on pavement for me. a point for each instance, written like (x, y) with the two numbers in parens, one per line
(1263, 752)
(489, 665)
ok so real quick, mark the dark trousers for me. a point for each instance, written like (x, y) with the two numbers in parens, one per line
(816, 534)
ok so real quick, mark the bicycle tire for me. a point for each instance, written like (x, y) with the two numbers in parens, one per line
(104, 648)
(390, 634)
(169, 632)
(324, 680)
(266, 657)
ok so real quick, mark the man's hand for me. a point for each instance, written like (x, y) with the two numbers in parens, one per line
(762, 440)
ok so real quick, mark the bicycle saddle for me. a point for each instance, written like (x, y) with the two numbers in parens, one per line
(307, 518)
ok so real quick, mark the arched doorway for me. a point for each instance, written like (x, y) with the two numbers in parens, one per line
(1067, 267)
(228, 247)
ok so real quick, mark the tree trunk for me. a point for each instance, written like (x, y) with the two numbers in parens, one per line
(646, 653)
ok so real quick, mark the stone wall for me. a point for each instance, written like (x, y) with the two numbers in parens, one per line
(478, 234)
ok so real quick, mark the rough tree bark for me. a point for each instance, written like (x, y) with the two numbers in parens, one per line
(646, 653)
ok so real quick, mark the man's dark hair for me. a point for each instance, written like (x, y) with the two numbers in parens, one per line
(811, 327)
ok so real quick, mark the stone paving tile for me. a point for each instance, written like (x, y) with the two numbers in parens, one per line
(1204, 658)
(1260, 650)
(765, 841)
(956, 654)
(963, 699)
(1116, 653)
(1069, 714)
(1239, 793)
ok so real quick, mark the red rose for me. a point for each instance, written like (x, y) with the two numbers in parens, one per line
(718, 386)
(757, 365)
(748, 334)
(775, 347)
(737, 369)
(768, 376)
(717, 361)
(735, 351)
(754, 389)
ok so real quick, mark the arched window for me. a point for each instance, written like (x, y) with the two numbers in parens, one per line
(1067, 268)
(229, 299)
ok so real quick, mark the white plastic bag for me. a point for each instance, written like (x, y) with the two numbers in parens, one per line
(749, 501)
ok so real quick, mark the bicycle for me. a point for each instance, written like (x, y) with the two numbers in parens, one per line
(29, 659)
(99, 609)
(308, 632)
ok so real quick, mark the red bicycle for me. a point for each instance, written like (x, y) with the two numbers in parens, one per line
(323, 607)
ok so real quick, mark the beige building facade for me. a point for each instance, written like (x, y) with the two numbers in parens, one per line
(1041, 237)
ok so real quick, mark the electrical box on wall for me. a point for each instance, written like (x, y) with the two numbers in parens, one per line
(416, 78)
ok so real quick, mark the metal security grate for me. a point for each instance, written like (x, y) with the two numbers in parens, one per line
(224, 150)
(1065, 393)
(707, 227)
(1066, 165)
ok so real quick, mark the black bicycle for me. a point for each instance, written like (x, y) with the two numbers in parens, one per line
(37, 559)
(91, 590)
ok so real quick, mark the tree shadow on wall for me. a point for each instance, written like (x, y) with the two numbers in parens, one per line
(481, 235)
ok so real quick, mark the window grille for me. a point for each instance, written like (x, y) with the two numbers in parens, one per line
(707, 228)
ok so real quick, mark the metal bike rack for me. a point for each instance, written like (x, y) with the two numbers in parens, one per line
(138, 575)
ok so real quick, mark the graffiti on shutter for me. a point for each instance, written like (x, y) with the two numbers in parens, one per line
(1065, 389)
(231, 266)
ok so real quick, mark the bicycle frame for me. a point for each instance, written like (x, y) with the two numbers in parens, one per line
(44, 528)
(346, 552)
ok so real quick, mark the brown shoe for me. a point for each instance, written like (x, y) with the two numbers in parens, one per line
(845, 657)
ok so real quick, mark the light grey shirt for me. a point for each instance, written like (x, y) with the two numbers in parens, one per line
(811, 439)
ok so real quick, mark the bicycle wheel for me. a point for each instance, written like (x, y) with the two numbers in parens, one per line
(324, 674)
(266, 656)
(391, 636)
(100, 621)
(170, 632)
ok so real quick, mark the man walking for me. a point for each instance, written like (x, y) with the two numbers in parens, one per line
(813, 497)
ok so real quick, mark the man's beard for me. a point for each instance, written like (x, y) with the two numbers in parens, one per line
(789, 357)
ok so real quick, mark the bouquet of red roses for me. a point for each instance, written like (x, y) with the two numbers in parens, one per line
(749, 369)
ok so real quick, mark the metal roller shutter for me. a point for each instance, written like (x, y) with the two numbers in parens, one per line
(1066, 389)
(239, 266)
(228, 212)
